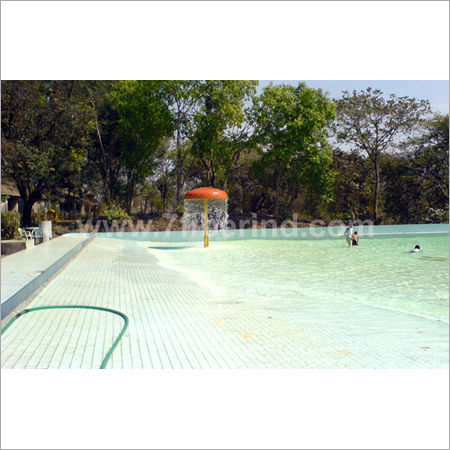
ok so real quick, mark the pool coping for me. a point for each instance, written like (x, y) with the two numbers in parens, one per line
(8, 305)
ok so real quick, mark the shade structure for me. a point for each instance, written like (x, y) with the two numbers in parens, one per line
(205, 193)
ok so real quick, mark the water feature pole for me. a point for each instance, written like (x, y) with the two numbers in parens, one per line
(206, 240)
(218, 200)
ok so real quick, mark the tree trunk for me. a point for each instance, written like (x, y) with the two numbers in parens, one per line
(277, 193)
(129, 202)
(179, 162)
(212, 177)
(28, 202)
(292, 197)
(103, 167)
(108, 195)
(131, 188)
(26, 215)
(376, 193)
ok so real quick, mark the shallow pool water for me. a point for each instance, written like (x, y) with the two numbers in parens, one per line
(287, 274)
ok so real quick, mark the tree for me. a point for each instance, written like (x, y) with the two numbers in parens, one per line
(247, 191)
(352, 187)
(291, 127)
(375, 124)
(164, 174)
(144, 120)
(104, 166)
(183, 97)
(44, 137)
(403, 199)
(219, 129)
(416, 181)
(431, 151)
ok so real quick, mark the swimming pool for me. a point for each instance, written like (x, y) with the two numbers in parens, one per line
(379, 273)
(259, 302)
(376, 299)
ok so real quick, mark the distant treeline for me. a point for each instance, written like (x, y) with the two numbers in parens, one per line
(140, 145)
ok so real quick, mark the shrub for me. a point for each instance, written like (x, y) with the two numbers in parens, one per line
(115, 212)
(179, 210)
(10, 224)
(35, 218)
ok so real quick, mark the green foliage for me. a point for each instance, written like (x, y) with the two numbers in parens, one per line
(373, 124)
(216, 134)
(44, 129)
(182, 98)
(115, 212)
(415, 184)
(431, 151)
(142, 144)
(144, 120)
(179, 209)
(291, 128)
(353, 186)
(10, 224)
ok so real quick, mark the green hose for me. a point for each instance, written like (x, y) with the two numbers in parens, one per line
(98, 308)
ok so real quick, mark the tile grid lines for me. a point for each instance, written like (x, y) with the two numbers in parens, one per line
(176, 323)
(89, 293)
(187, 324)
(80, 338)
(212, 361)
(134, 285)
(212, 329)
(44, 337)
(23, 336)
(195, 313)
(195, 327)
(140, 273)
(159, 336)
(169, 307)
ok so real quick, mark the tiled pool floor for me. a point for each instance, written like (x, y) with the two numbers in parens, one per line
(175, 323)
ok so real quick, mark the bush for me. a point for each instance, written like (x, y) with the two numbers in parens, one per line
(115, 212)
(179, 210)
(35, 218)
(10, 224)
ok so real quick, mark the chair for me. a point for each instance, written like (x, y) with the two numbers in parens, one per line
(25, 234)
(37, 232)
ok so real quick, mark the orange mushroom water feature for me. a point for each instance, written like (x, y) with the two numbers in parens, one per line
(205, 206)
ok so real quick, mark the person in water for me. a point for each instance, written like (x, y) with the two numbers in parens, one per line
(355, 238)
(348, 233)
(416, 249)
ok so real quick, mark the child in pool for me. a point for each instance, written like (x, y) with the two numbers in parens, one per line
(355, 238)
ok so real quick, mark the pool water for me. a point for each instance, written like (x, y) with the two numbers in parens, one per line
(290, 275)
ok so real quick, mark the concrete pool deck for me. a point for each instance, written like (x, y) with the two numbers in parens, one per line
(25, 271)
(176, 323)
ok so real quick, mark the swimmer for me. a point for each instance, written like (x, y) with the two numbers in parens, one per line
(355, 238)
(416, 249)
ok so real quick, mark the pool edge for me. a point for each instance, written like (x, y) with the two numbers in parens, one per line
(22, 294)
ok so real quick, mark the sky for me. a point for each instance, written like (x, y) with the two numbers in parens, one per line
(436, 91)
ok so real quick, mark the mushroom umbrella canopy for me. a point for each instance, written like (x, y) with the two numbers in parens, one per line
(205, 193)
